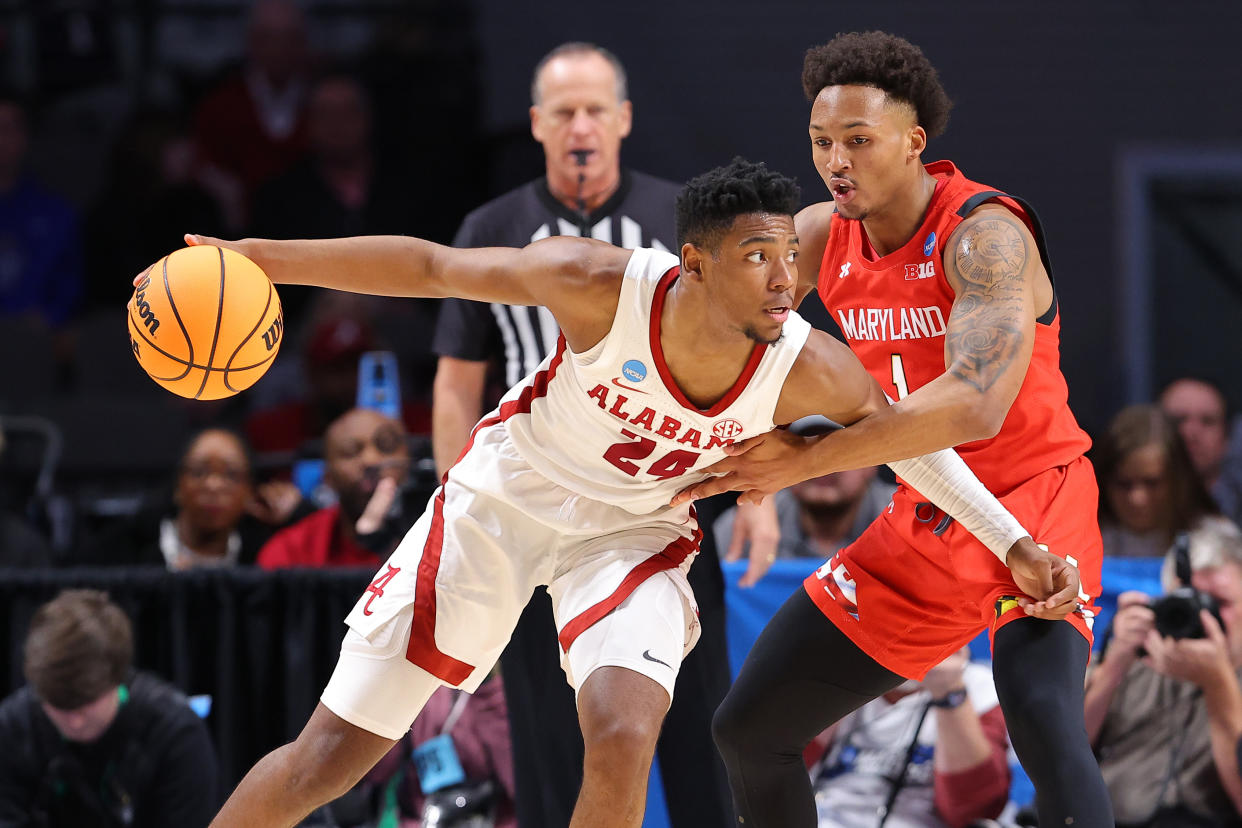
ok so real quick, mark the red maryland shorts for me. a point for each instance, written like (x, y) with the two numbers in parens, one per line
(916, 586)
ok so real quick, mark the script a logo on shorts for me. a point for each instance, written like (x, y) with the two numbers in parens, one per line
(726, 429)
(633, 371)
(922, 270)
(377, 587)
(930, 244)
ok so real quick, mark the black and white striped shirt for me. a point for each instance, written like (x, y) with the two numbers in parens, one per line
(639, 214)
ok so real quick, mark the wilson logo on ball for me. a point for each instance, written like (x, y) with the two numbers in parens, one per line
(272, 335)
(726, 428)
(143, 308)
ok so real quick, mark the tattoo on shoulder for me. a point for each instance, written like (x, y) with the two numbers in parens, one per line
(985, 330)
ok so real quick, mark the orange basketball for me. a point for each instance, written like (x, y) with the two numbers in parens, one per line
(205, 322)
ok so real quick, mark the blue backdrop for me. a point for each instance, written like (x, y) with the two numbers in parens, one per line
(749, 610)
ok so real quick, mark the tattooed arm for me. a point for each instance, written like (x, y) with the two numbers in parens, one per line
(994, 268)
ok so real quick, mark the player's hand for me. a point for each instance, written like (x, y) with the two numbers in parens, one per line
(274, 501)
(1133, 621)
(758, 525)
(1198, 660)
(377, 507)
(193, 240)
(757, 467)
(1051, 582)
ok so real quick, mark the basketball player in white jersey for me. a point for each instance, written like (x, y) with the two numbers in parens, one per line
(661, 364)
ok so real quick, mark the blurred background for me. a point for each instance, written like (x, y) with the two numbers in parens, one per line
(119, 131)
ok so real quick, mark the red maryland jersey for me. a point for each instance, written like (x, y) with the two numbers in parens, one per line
(893, 311)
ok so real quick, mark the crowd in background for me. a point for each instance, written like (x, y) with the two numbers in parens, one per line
(295, 141)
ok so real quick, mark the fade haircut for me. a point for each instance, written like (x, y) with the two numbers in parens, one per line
(889, 63)
(708, 204)
(574, 49)
(80, 646)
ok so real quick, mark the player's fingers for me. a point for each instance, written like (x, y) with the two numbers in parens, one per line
(734, 449)
(1066, 585)
(1043, 572)
(146, 271)
(721, 466)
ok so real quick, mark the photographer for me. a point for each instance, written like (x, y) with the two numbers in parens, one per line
(1163, 704)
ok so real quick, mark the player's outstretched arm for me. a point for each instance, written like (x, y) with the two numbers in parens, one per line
(579, 280)
(828, 379)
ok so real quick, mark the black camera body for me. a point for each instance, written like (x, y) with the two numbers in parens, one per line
(1177, 613)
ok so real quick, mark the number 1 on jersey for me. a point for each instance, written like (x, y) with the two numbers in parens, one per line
(899, 377)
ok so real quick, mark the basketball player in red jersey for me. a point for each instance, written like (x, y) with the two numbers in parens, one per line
(943, 288)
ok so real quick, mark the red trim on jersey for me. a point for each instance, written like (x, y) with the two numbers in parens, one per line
(670, 557)
(657, 352)
(422, 650)
(537, 388)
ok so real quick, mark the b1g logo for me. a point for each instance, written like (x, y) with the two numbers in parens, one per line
(634, 371)
(922, 270)
(726, 429)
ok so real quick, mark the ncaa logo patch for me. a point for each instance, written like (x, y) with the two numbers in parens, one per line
(930, 244)
(725, 429)
(634, 371)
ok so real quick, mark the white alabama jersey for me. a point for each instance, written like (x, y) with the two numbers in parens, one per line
(610, 424)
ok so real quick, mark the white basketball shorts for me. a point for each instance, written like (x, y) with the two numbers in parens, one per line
(442, 608)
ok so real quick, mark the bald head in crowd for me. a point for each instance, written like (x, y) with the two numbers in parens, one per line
(359, 448)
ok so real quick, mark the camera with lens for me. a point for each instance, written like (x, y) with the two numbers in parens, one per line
(1177, 613)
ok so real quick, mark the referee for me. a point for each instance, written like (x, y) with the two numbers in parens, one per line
(580, 113)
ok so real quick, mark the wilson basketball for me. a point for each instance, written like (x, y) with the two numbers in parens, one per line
(205, 322)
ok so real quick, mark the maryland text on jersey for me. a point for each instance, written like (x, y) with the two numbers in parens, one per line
(891, 323)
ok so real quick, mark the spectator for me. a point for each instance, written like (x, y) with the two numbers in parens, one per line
(820, 516)
(40, 248)
(343, 189)
(215, 517)
(20, 543)
(927, 754)
(329, 371)
(361, 450)
(1148, 488)
(1165, 722)
(156, 187)
(253, 126)
(479, 728)
(89, 741)
(1201, 412)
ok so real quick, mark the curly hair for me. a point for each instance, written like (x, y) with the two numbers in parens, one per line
(891, 64)
(708, 204)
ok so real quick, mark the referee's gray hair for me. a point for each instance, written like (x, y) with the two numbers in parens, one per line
(579, 47)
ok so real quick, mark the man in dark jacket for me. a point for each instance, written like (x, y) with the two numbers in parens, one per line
(90, 742)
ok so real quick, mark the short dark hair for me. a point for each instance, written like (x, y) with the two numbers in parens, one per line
(80, 646)
(578, 47)
(891, 64)
(708, 204)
